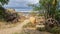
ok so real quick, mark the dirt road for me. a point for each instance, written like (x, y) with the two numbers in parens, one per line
(18, 28)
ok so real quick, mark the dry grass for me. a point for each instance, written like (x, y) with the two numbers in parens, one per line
(4, 25)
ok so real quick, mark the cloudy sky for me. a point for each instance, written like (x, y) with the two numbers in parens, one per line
(20, 5)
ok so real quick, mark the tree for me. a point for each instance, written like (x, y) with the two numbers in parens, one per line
(52, 14)
(49, 6)
(2, 10)
(2, 2)
(57, 17)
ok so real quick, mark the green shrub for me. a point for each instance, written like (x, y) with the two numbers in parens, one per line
(41, 29)
(55, 30)
(15, 33)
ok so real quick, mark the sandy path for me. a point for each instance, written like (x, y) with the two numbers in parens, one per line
(18, 28)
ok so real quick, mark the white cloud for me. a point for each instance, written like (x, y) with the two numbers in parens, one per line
(20, 3)
(33, 1)
(28, 1)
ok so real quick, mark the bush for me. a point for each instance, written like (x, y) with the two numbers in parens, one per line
(2, 10)
(41, 29)
(55, 30)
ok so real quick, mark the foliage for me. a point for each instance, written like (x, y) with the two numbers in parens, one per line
(49, 6)
(11, 16)
(57, 17)
(55, 30)
(41, 29)
(41, 15)
(2, 10)
(16, 33)
(2, 2)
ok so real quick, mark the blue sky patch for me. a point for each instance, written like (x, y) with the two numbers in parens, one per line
(20, 4)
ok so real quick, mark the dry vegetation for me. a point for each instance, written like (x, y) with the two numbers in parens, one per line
(4, 25)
